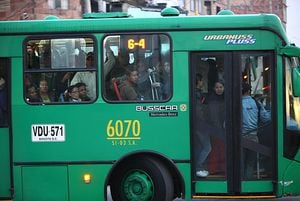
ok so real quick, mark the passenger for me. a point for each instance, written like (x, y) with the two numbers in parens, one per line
(162, 84)
(3, 102)
(128, 88)
(203, 143)
(115, 73)
(80, 55)
(110, 60)
(73, 94)
(121, 64)
(143, 83)
(166, 86)
(63, 81)
(200, 95)
(82, 91)
(44, 93)
(33, 56)
(32, 95)
(28, 80)
(87, 77)
(253, 113)
(216, 110)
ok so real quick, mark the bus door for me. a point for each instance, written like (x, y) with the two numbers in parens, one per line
(232, 132)
(5, 139)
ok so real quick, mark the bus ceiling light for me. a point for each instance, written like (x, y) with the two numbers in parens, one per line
(87, 178)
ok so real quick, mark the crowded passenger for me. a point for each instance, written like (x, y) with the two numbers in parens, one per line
(87, 77)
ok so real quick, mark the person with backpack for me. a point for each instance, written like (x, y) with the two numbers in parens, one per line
(253, 114)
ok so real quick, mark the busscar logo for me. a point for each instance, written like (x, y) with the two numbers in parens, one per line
(233, 39)
(159, 110)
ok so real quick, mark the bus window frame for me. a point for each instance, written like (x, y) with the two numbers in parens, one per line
(170, 61)
(25, 69)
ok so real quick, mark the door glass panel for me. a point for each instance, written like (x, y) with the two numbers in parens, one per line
(209, 129)
(256, 124)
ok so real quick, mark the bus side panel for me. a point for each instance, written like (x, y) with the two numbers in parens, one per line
(218, 40)
(88, 191)
(185, 170)
(17, 183)
(291, 179)
(45, 183)
(5, 182)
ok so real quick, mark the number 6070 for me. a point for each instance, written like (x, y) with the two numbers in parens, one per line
(123, 128)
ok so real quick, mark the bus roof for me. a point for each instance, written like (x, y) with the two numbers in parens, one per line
(212, 22)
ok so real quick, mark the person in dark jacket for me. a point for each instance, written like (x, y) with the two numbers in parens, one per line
(128, 88)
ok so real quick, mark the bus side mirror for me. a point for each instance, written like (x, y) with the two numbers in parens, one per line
(296, 81)
(291, 51)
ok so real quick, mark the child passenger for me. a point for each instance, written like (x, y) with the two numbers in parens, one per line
(73, 94)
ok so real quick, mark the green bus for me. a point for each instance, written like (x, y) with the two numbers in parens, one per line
(149, 109)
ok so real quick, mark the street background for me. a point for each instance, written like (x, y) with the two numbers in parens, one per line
(293, 25)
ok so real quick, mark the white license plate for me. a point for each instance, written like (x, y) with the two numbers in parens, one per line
(48, 132)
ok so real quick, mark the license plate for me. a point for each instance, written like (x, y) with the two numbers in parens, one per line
(48, 132)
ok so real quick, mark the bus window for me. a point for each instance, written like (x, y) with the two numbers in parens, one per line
(292, 113)
(137, 68)
(60, 70)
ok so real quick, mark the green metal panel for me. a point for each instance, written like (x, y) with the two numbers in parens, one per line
(282, 162)
(265, 21)
(93, 191)
(185, 170)
(211, 186)
(12, 44)
(18, 194)
(257, 186)
(5, 181)
(291, 179)
(223, 40)
(45, 183)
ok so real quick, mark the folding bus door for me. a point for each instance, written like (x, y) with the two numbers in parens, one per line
(228, 157)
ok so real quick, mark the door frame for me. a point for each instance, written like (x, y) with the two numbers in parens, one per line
(5, 62)
(233, 182)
